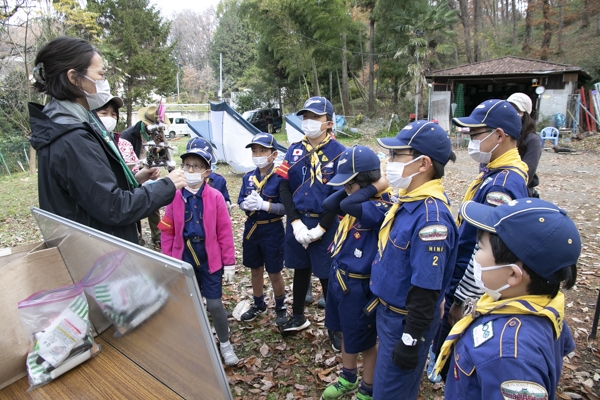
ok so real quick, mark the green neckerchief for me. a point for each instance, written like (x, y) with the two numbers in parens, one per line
(109, 140)
(143, 131)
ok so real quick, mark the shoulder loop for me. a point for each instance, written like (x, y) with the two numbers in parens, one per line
(432, 208)
(509, 338)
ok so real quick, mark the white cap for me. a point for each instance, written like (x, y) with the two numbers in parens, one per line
(521, 101)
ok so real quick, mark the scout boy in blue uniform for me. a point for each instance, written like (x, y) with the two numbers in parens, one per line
(263, 231)
(416, 254)
(495, 127)
(306, 169)
(364, 201)
(512, 343)
(214, 180)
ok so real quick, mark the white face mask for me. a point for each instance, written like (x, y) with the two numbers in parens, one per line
(477, 272)
(475, 152)
(312, 128)
(102, 95)
(261, 162)
(394, 173)
(193, 178)
(109, 123)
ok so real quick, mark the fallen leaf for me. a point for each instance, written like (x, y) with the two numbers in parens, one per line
(264, 350)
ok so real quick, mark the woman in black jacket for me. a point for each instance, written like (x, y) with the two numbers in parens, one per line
(81, 174)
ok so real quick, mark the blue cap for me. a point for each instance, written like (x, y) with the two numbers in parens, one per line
(319, 105)
(200, 153)
(494, 114)
(264, 139)
(426, 137)
(538, 232)
(200, 143)
(353, 161)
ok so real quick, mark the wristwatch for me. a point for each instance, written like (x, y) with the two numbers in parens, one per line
(408, 340)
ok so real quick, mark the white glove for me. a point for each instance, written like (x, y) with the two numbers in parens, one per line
(250, 203)
(315, 233)
(228, 273)
(261, 204)
(245, 205)
(300, 232)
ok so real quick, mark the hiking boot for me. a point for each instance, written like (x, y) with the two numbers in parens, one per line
(309, 298)
(295, 324)
(228, 354)
(321, 302)
(339, 389)
(433, 378)
(336, 339)
(281, 318)
(363, 395)
(252, 313)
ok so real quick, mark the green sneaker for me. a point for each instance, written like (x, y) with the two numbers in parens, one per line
(340, 388)
(362, 395)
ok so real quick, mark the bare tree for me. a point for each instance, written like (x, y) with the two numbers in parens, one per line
(546, 16)
(527, 39)
(192, 31)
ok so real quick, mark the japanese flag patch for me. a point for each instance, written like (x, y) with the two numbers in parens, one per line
(297, 152)
(523, 390)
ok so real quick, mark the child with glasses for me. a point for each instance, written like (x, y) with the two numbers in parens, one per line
(196, 228)
(263, 230)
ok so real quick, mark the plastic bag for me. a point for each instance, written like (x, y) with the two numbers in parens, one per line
(57, 323)
(126, 297)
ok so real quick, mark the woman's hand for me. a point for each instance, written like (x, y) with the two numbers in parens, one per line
(146, 174)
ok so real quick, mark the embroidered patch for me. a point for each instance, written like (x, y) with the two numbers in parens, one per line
(433, 232)
(498, 198)
(435, 249)
(523, 390)
(482, 334)
(488, 180)
(343, 161)
(357, 235)
(330, 165)
(295, 158)
(297, 152)
(357, 253)
(250, 183)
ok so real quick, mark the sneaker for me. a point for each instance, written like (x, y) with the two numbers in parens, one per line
(363, 395)
(281, 318)
(336, 339)
(339, 389)
(295, 324)
(252, 313)
(321, 302)
(228, 354)
(433, 378)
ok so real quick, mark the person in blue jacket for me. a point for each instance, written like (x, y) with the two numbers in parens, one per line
(415, 257)
(363, 202)
(263, 238)
(306, 169)
(495, 127)
(511, 343)
(214, 180)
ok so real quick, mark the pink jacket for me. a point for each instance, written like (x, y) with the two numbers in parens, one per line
(217, 228)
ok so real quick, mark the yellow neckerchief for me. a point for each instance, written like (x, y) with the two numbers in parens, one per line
(433, 188)
(316, 156)
(345, 226)
(259, 184)
(509, 160)
(542, 306)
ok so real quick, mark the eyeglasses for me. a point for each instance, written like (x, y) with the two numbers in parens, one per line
(348, 185)
(393, 155)
(472, 135)
(195, 167)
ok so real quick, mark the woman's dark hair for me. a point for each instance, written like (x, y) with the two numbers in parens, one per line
(537, 285)
(364, 179)
(55, 59)
(528, 127)
(438, 167)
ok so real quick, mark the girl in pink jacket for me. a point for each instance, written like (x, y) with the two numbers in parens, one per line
(196, 228)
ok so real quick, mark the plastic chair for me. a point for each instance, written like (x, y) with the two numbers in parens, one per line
(550, 133)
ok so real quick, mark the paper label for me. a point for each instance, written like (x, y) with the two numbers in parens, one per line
(61, 336)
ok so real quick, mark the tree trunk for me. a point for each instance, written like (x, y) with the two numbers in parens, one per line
(371, 106)
(476, 30)
(528, 26)
(514, 20)
(585, 20)
(559, 36)
(345, 95)
(466, 23)
(129, 97)
(546, 39)
(316, 89)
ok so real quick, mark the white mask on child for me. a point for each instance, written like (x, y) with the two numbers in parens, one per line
(109, 123)
(394, 173)
(193, 178)
(477, 272)
(475, 152)
(261, 162)
(312, 128)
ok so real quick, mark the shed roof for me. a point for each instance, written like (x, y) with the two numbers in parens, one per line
(509, 65)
